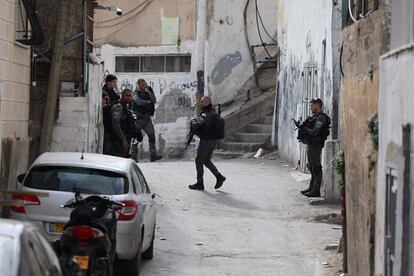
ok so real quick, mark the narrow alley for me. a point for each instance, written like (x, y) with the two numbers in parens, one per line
(257, 224)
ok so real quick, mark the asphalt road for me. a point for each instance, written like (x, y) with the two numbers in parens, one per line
(257, 224)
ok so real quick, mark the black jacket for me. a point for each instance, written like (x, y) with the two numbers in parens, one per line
(119, 120)
(202, 126)
(144, 103)
(318, 129)
(113, 96)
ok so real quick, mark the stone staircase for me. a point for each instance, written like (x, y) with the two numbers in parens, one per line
(247, 139)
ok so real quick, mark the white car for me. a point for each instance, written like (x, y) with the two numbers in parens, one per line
(119, 179)
(24, 251)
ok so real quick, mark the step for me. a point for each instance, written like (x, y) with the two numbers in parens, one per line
(259, 128)
(228, 154)
(241, 147)
(252, 137)
(268, 120)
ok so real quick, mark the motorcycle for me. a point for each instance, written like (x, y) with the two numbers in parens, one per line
(89, 238)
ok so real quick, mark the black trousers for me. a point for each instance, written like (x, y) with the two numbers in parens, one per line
(117, 148)
(315, 166)
(147, 126)
(204, 154)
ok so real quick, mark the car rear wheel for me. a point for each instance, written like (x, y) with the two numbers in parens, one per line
(149, 253)
(132, 267)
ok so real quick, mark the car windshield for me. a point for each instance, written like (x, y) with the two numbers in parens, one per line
(6, 255)
(87, 180)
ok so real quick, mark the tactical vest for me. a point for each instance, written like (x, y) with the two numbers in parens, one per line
(148, 109)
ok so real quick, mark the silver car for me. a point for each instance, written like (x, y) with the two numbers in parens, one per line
(24, 251)
(119, 179)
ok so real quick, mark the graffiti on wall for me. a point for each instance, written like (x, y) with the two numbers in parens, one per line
(173, 105)
(163, 86)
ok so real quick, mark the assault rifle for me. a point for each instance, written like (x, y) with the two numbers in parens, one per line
(191, 134)
(302, 136)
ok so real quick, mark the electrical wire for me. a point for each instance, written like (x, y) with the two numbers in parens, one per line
(260, 35)
(264, 27)
(120, 28)
(350, 12)
(122, 17)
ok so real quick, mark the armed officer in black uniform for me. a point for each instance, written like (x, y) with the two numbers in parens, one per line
(121, 143)
(203, 126)
(109, 98)
(144, 107)
(314, 131)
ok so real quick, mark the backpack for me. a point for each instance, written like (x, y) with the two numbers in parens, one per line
(325, 132)
(218, 127)
(133, 131)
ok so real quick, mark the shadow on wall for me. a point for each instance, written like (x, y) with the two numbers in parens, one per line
(174, 105)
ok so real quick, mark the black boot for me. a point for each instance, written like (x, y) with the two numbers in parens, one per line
(220, 181)
(155, 158)
(313, 193)
(310, 186)
(198, 186)
(316, 190)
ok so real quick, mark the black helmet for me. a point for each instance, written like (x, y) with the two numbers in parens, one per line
(317, 100)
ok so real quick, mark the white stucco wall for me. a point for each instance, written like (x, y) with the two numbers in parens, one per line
(175, 92)
(303, 26)
(162, 83)
(396, 103)
(14, 97)
(228, 64)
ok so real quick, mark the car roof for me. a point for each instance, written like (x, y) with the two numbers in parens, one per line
(12, 228)
(89, 160)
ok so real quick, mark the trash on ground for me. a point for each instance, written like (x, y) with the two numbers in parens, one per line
(259, 153)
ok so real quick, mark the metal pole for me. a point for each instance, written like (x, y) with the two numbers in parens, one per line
(54, 78)
(85, 73)
(201, 36)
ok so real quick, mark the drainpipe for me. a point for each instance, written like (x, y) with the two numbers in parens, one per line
(344, 236)
(200, 49)
(406, 239)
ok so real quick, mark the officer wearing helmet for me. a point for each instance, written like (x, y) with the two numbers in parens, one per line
(313, 132)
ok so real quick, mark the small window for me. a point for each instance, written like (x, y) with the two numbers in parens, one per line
(23, 27)
(27, 26)
(178, 64)
(390, 221)
(359, 9)
(153, 64)
(127, 64)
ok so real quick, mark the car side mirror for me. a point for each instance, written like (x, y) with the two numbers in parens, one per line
(153, 196)
(21, 177)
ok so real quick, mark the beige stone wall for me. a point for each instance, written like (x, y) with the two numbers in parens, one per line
(142, 28)
(14, 97)
(364, 42)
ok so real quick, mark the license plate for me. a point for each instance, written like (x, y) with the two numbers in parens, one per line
(83, 261)
(56, 227)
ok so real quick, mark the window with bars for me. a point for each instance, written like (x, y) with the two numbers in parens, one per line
(390, 222)
(27, 26)
(23, 27)
(357, 9)
(153, 64)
